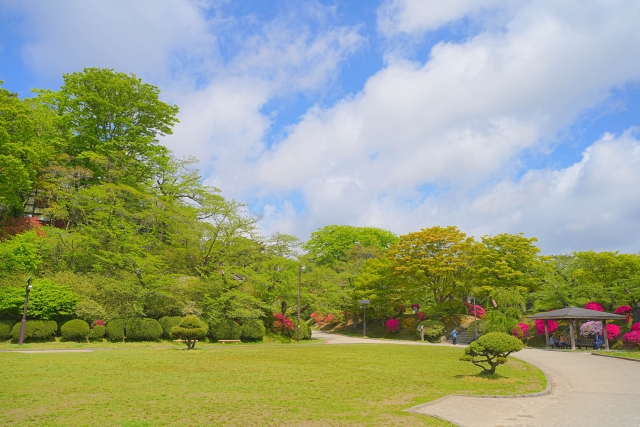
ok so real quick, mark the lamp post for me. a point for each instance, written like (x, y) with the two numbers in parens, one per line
(475, 318)
(23, 325)
(300, 270)
(363, 304)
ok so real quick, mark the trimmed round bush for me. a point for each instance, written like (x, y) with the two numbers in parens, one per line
(409, 323)
(392, 325)
(433, 329)
(167, 323)
(97, 333)
(190, 329)
(75, 330)
(5, 329)
(491, 350)
(142, 329)
(253, 330)
(305, 330)
(224, 329)
(115, 329)
(36, 330)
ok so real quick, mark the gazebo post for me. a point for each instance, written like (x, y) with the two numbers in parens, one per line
(546, 334)
(572, 332)
(605, 338)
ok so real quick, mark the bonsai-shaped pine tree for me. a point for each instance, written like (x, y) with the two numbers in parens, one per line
(190, 329)
(491, 350)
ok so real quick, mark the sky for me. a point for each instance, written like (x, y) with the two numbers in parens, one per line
(491, 115)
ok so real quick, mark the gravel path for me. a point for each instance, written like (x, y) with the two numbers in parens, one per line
(587, 391)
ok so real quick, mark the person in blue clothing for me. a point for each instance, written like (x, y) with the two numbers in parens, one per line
(454, 335)
(597, 343)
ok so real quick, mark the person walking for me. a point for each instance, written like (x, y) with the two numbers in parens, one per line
(454, 335)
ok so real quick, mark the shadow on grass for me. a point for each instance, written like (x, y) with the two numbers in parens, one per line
(482, 375)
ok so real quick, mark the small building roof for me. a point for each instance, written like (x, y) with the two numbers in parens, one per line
(576, 313)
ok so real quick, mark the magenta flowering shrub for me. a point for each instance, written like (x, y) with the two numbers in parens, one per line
(415, 307)
(594, 306)
(632, 338)
(521, 330)
(626, 310)
(97, 322)
(591, 328)
(281, 324)
(635, 327)
(480, 312)
(421, 315)
(392, 325)
(613, 331)
(553, 325)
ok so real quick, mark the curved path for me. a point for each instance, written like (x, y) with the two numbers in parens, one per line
(587, 391)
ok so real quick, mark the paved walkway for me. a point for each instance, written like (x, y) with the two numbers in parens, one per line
(588, 391)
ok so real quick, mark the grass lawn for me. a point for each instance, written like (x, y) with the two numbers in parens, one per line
(621, 354)
(145, 385)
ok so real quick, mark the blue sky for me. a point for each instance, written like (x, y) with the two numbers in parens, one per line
(492, 115)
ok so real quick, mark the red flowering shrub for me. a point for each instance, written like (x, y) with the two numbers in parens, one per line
(281, 324)
(480, 312)
(12, 226)
(392, 325)
(421, 315)
(613, 331)
(632, 338)
(521, 330)
(626, 310)
(322, 319)
(635, 327)
(97, 323)
(415, 307)
(594, 306)
(553, 325)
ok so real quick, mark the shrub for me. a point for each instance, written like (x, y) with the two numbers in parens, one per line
(36, 330)
(75, 330)
(627, 310)
(521, 330)
(632, 338)
(591, 328)
(480, 311)
(167, 323)
(254, 330)
(115, 329)
(305, 331)
(142, 329)
(433, 329)
(392, 325)
(409, 324)
(491, 350)
(635, 327)
(190, 329)
(421, 316)
(224, 329)
(89, 310)
(613, 331)
(415, 307)
(98, 322)
(283, 325)
(97, 332)
(596, 306)
(5, 329)
(552, 324)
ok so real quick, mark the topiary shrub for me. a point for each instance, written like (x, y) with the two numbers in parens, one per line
(224, 329)
(115, 329)
(305, 330)
(167, 323)
(75, 330)
(409, 324)
(392, 325)
(190, 329)
(5, 329)
(36, 330)
(97, 333)
(254, 330)
(491, 350)
(142, 329)
(433, 329)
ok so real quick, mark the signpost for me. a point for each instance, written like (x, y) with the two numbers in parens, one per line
(364, 303)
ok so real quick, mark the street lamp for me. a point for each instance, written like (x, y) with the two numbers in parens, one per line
(300, 270)
(364, 303)
(475, 318)
(23, 325)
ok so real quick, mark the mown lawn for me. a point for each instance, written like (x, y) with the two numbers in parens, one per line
(621, 354)
(145, 385)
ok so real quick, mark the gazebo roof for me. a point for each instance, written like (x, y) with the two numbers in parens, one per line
(576, 313)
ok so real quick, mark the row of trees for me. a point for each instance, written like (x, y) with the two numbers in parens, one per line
(121, 228)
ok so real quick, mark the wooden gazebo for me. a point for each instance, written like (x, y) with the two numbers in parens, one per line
(573, 313)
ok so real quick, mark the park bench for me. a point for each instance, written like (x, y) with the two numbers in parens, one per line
(226, 341)
(584, 342)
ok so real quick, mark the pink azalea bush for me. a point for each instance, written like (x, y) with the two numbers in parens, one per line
(322, 319)
(480, 312)
(421, 315)
(635, 327)
(281, 323)
(612, 331)
(626, 310)
(632, 338)
(553, 325)
(591, 328)
(97, 322)
(594, 306)
(521, 330)
(392, 325)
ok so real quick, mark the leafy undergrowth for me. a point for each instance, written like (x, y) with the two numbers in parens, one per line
(230, 385)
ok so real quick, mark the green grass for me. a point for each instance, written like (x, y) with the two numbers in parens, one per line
(160, 384)
(621, 354)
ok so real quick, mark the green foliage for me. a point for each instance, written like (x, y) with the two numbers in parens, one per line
(75, 330)
(143, 329)
(97, 333)
(36, 330)
(115, 329)
(26, 253)
(190, 329)
(224, 329)
(47, 300)
(496, 321)
(491, 350)
(305, 331)
(89, 310)
(5, 329)
(433, 329)
(252, 330)
(167, 323)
